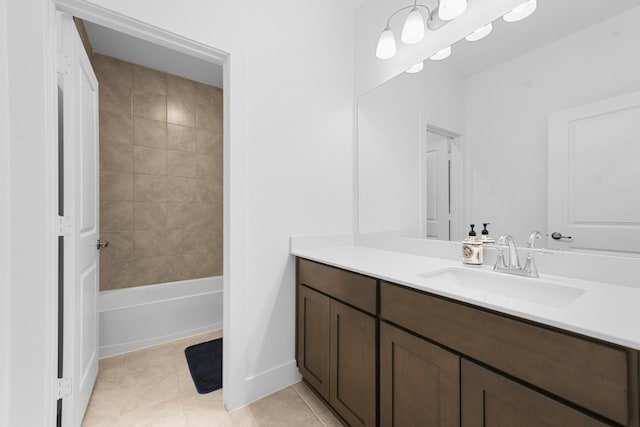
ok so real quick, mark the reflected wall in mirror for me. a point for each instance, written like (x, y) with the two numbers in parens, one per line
(542, 120)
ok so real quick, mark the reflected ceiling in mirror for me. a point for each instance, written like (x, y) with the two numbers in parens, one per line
(565, 76)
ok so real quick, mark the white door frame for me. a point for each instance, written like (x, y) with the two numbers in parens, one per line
(457, 182)
(233, 367)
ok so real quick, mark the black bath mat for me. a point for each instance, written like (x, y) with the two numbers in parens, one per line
(205, 364)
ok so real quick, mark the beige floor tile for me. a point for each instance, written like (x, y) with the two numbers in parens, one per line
(169, 413)
(150, 392)
(285, 407)
(328, 419)
(153, 387)
(309, 397)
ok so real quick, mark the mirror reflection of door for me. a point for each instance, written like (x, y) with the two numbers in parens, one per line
(438, 186)
(594, 179)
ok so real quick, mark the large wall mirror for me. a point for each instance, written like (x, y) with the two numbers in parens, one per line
(534, 127)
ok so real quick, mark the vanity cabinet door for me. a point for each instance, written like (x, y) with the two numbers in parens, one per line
(313, 341)
(489, 399)
(419, 381)
(353, 365)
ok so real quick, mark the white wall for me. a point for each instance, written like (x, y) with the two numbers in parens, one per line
(392, 124)
(31, 240)
(4, 221)
(508, 107)
(289, 168)
(371, 18)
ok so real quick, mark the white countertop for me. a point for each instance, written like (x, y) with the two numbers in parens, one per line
(604, 311)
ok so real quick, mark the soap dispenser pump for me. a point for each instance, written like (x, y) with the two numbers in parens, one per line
(485, 234)
(472, 249)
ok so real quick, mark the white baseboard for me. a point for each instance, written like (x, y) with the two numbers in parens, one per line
(270, 381)
(134, 318)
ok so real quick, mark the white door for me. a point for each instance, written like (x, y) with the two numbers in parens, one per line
(594, 175)
(437, 186)
(81, 261)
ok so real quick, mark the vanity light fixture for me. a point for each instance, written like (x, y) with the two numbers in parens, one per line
(521, 12)
(480, 33)
(413, 30)
(443, 54)
(415, 68)
(386, 45)
(451, 9)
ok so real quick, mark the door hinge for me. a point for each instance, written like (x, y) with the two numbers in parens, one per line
(65, 388)
(65, 226)
(64, 64)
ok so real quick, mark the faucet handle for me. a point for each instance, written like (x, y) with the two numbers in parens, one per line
(532, 239)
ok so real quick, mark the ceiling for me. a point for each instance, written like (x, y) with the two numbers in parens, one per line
(553, 19)
(127, 48)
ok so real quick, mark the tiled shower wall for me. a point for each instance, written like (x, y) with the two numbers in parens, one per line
(160, 176)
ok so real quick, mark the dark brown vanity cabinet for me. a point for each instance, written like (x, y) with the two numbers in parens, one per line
(336, 339)
(419, 381)
(489, 399)
(445, 363)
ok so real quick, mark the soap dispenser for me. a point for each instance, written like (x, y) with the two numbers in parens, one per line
(472, 249)
(485, 234)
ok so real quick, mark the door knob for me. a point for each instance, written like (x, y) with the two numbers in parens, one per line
(558, 236)
(101, 244)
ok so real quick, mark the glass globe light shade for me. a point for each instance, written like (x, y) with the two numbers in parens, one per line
(444, 53)
(451, 9)
(413, 29)
(480, 33)
(521, 12)
(415, 68)
(386, 47)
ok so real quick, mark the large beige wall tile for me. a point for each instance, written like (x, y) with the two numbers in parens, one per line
(181, 138)
(181, 215)
(115, 157)
(206, 166)
(180, 112)
(181, 164)
(120, 245)
(181, 88)
(181, 190)
(116, 216)
(208, 190)
(113, 70)
(150, 161)
(205, 215)
(207, 141)
(115, 274)
(115, 98)
(150, 133)
(150, 106)
(116, 127)
(148, 271)
(161, 176)
(116, 186)
(150, 188)
(207, 117)
(147, 80)
(149, 243)
(149, 215)
(179, 268)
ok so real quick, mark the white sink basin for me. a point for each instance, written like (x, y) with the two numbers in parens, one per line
(536, 291)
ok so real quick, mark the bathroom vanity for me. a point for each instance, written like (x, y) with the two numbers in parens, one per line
(383, 349)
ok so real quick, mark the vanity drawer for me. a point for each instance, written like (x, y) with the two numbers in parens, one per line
(352, 288)
(590, 374)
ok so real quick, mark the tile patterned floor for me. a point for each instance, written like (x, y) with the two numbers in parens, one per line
(153, 387)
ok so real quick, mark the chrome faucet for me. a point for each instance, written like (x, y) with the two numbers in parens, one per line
(513, 266)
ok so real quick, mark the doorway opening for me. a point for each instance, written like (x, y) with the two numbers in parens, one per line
(442, 178)
(160, 179)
